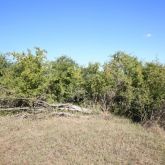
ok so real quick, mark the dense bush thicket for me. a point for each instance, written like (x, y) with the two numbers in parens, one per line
(123, 85)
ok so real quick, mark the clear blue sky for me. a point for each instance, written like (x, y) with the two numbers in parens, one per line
(86, 30)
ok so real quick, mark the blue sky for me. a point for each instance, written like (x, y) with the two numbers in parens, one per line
(85, 30)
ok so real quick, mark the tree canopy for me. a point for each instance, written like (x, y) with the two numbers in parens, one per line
(123, 85)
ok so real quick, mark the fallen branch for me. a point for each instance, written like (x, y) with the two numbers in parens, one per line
(70, 107)
(15, 109)
(26, 104)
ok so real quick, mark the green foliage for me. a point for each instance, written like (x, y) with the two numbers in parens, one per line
(120, 82)
(26, 74)
(64, 78)
(129, 96)
(135, 91)
(3, 64)
(124, 85)
(154, 76)
(94, 81)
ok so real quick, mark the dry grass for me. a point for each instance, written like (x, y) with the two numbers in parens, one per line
(84, 140)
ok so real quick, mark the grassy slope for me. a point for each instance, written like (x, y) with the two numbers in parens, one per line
(83, 140)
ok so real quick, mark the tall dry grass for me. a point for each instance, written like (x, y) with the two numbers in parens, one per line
(78, 140)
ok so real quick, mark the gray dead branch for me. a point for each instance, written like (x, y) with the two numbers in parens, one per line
(39, 105)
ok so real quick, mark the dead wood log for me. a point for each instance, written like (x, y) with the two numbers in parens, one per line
(23, 104)
(15, 109)
(70, 107)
